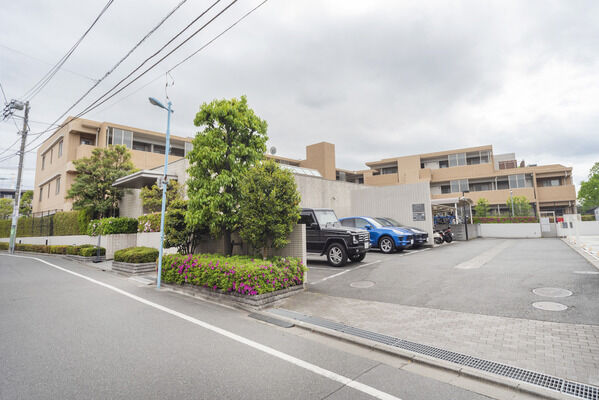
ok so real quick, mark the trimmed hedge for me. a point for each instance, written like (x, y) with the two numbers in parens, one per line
(149, 223)
(505, 220)
(136, 255)
(66, 223)
(82, 250)
(112, 226)
(91, 251)
(241, 274)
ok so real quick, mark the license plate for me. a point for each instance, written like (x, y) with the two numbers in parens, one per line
(366, 245)
(411, 241)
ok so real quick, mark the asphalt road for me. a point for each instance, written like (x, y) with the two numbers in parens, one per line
(64, 336)
(483, 276)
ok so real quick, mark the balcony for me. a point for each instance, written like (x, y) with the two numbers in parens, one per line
(493, 196)
(556, 193)
(462, 172)
(381, 180)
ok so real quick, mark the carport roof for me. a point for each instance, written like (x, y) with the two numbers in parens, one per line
(451, 201)
(140, 179)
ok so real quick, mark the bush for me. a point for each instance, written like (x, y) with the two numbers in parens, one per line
(3, 245)
(149, 223)
(36, 248)
(240, 274)
(91, 251)
(58, 249)
(588, 217)
(85, 215)
(112, 226)
(505, 220)
(136, 255)
(66, 223)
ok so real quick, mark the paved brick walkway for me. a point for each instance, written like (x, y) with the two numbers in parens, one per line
(568, 351)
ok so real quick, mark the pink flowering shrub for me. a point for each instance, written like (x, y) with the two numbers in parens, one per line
(241, 274)
(149, 222)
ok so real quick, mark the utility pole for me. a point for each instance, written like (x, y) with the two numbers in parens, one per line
(15, 211)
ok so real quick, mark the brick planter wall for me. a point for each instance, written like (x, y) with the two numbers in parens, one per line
(133, 269)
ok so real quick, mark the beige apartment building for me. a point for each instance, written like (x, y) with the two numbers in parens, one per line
(474, 173)
(55, 170)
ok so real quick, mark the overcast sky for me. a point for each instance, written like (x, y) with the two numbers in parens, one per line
(376, 78)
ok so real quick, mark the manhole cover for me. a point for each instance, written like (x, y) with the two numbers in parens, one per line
(552, 292)
(362, 284)
(549, 306)
(587, 272)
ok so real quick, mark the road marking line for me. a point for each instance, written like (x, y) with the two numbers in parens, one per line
(343, 272)
(484, 258)
(322, 268)
(413, 252)
(268, 350)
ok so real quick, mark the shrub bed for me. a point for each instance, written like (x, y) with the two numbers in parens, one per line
(86, 250)
(91, 251)
(3, 245)
(240, 274)
(504, 220)
(149, 223)
(111, 226)
(136, 255)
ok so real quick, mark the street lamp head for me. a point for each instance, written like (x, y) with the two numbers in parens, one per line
(156, 102)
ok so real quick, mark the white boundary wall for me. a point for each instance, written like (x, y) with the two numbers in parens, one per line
(573, 226)
(510, 230)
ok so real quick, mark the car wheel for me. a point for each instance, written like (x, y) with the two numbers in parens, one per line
(358, 257)
(386, 245)
(336, 255)
(438, 240)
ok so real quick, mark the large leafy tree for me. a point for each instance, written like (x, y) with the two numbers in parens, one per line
(522, 207)
(151, 197)
(25, 205)
(92, 188)
(588, 194)
(6, 207)
(233, 139)
(269, 206)
(177, 233)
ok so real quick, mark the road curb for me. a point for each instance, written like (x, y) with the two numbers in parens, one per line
(580, 251)
(459, 370)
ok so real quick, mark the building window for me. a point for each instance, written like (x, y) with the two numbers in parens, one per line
(550, 182)
(58, 185)
(41, 192)
(445, 189)
(460, 185)
(188, 147)
(443, 164)
(43, 161)
(456, 160)
(84, 140)
(418, 212)
(517, 181)
(60, 149)
(48, 190)
(51, 155)
(120, 136)
(141, 146)
(158, 149)
(175, 151)
(388, 170)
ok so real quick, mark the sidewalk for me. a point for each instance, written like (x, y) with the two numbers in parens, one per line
(569, 351)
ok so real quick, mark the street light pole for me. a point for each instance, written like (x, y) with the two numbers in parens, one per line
(512, 200)
(164, 183)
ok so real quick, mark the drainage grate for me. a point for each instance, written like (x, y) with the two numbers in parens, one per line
(547, 381)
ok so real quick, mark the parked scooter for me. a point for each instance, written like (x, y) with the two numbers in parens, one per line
(443, 235)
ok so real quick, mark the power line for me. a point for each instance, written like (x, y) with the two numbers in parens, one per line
(190, 56)
(9, 147)
(93, 105)
(46, 62)
(31, 93)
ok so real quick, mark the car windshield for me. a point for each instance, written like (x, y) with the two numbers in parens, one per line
(388, 221)
(374, 222)
(326, 218)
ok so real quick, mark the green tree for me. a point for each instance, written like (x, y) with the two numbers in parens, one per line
(232, 141)
(6, 208)
(177, 233)
(269, 206)
(522, 207)
(151, 197)
(92, 188)
(482, 207)
(25, 206)
(588, 194)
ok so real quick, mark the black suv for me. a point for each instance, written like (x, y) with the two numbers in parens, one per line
(325, 235)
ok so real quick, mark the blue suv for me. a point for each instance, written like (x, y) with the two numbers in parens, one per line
(387, 239)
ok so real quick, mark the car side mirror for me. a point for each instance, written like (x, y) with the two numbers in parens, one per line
(369, 227)
(314, 225)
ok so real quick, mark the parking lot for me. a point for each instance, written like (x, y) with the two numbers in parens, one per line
(484, 276)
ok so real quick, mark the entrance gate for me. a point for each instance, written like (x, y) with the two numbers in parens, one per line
(548, 224)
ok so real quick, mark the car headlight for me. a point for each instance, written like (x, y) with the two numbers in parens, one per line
(355, 239)
(398, 232)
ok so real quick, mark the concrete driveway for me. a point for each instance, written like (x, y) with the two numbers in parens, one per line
(484, 276)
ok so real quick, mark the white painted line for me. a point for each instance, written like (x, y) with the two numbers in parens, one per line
(322, 268)
(342, 272)
(484, 258)
(369, 390)
(413, 252)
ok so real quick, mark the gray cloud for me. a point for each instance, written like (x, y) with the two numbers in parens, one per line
(378, 79)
